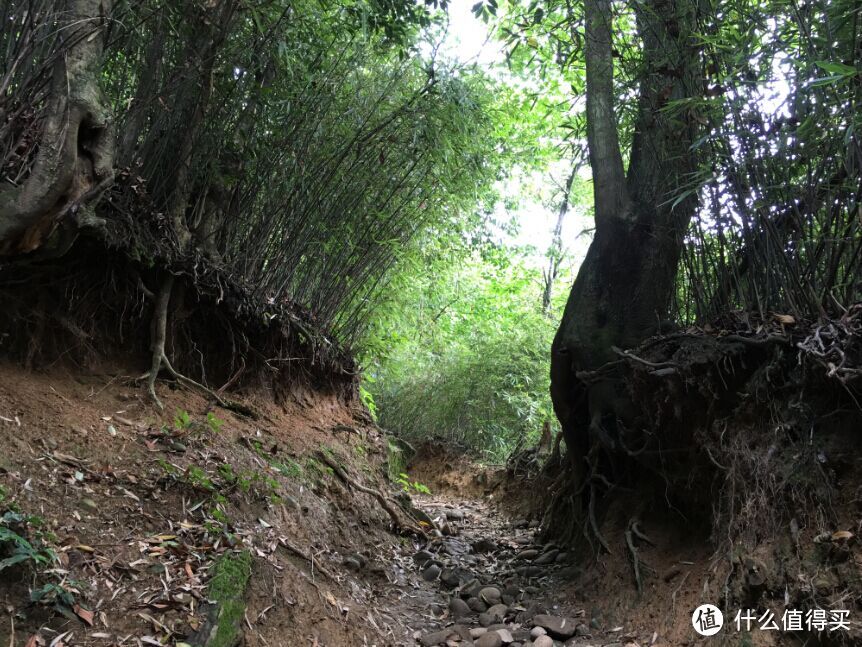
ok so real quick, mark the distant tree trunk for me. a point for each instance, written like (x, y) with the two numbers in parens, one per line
(626, 282)
(555, 254)
(74, 162)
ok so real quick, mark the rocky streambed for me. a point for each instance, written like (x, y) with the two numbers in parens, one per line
(487, 581)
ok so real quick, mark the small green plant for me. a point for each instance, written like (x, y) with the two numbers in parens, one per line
(366, 398)
(14, 542)
(395, 464)
(182, 420)
(225, 470)
(406, 485)
(271, 483)
(219, 515)
(52, 593)
(290, 469)
(316, 470)
(214, 422)
(24, 542)
(167, 467)
(198, 477)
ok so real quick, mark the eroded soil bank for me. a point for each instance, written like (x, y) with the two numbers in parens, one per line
(203, 527)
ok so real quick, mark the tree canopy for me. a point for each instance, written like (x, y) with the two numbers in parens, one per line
(340, 170)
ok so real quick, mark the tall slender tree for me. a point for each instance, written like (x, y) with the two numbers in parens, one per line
(555, 252)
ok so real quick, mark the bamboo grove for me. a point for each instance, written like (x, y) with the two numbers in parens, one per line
(289, 145)
(296, 149)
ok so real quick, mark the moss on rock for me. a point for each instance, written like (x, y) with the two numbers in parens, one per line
(226, 593)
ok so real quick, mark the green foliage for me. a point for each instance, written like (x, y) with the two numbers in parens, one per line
(225, 470)
(53, 593)
(461, 354)
(411, 486)
(290, 469)
(777, 224)
(395, 462)
(316, 471)
(23, 542)
(16, 545)
(215, 423)
(367, 398)
(199, 478)
(182, 420)
(330, 133)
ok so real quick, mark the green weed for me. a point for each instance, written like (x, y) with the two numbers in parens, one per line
(215, 423)
(16, 543)
(407, 486)
(291, 469)
(199, 478)
(182, 420)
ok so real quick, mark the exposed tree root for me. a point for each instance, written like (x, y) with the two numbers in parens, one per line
(633, 554)
(159, 327)
(387, 505)
(160, 359)
(633, 534)
(593, 523)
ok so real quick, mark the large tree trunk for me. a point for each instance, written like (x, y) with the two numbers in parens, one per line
(625, 285)
(75, 158)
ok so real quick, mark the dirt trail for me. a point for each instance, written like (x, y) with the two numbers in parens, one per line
(490, 582)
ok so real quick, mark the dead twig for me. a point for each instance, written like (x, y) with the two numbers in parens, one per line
(308, 558)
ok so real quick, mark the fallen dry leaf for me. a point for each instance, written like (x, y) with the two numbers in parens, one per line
(84, 614)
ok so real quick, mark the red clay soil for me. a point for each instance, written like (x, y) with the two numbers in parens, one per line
(138, 507)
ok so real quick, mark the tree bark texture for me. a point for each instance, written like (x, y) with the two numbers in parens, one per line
(625, 284)
(75, 157)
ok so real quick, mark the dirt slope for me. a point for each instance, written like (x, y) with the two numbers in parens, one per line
(139, 507)
(678, 565)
